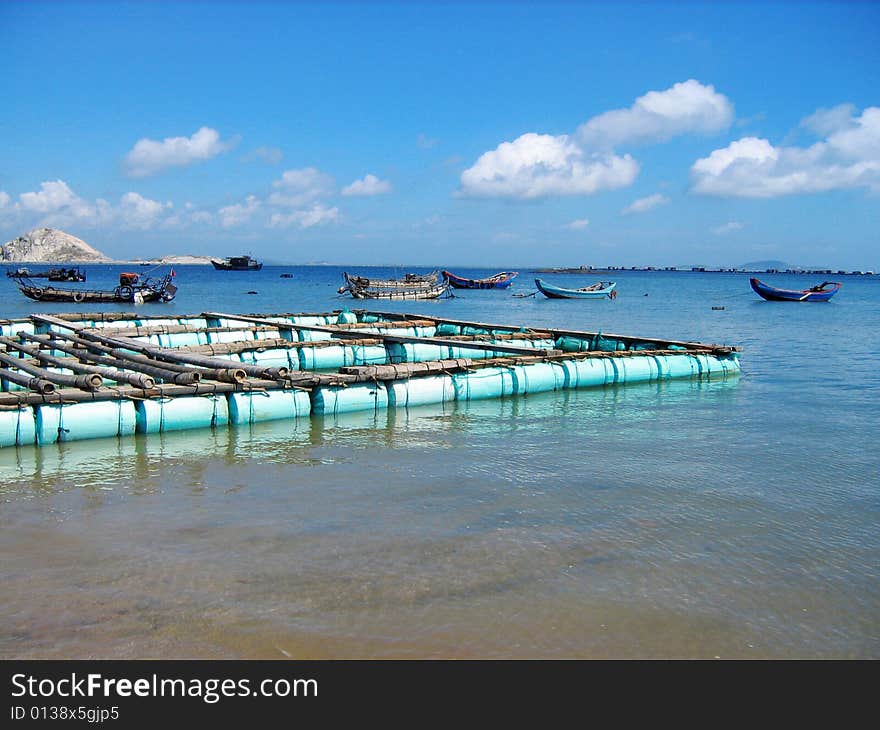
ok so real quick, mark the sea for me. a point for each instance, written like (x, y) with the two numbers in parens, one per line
(730, 519)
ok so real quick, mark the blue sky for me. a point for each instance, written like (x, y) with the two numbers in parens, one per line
(486, 134)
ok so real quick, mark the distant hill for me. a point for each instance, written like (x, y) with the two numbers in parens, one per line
(49, 245)
(176, 259)
(764, 265)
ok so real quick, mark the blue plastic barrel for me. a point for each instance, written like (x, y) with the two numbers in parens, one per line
(18, 427)
(75, 421)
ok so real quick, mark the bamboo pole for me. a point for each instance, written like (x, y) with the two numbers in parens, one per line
(28, 381)
(118, 376)
(212, 368)
(133, 361)
(152, 369)
(347, 334)
(91, 381)
(723, 349)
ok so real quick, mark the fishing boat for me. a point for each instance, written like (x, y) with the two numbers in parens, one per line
(409, 281)
(501, 280)
(132, 289)
(60, 274)
(819, 293)
(237, 263)
(594, 291)
(394, 289)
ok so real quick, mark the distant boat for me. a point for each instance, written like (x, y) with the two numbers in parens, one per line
(60, 274)
(594, 291)
(819, 293)
(501, 280)
(413, 287)
(131, 289)
(237, 263)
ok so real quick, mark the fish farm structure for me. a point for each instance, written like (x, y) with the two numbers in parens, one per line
(74, 376)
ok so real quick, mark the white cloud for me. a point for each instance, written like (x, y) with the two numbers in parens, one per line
(687, 107)
(539, 165)
(136, 212)
(4, 200)
(578, 224)
(317, 215)
(300, 187)
(239, 213)
(56, 204)
(149, 157)
(727, 228)
(849, 157)
(370, 185)
(643, 205)
(825, 121)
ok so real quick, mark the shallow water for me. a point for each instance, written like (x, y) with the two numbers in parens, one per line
(735, 518)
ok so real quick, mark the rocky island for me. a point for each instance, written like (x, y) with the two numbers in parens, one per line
(49, 245)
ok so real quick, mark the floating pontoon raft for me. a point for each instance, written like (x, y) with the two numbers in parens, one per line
(77, 376)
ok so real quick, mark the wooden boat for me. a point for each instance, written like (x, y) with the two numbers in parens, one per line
(60, 274)
(409, 281)
(819, 293)
(594, 291)
(131, 289)
(398, 289)
(237, 263)
(501, 280)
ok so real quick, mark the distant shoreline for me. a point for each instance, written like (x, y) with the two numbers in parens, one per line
(700, 270)
(583, 270)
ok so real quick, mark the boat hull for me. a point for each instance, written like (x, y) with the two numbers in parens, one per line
(557, 292)
(501, 280)
(221, 266)
(156, 291)
(434, 292)
(774, 294)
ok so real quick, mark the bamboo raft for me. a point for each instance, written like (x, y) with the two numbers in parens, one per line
(78, 376)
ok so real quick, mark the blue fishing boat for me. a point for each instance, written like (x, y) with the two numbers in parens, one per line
(819, 293)
(501, 280)
(594, 291)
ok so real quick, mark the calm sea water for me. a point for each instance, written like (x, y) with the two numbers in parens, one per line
(728, 519)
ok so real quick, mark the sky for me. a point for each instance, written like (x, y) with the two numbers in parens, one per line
(484, 134)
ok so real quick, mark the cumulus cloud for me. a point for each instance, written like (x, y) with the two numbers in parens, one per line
(300, 187)
(643, 205)
(239, 213)
(135, 212)
(149, 157)
(368, 186)
(578, 224)
(727, 228)
(688, 107)
(540, 165)
(751, 167)
(317, 215)
(56, 204)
